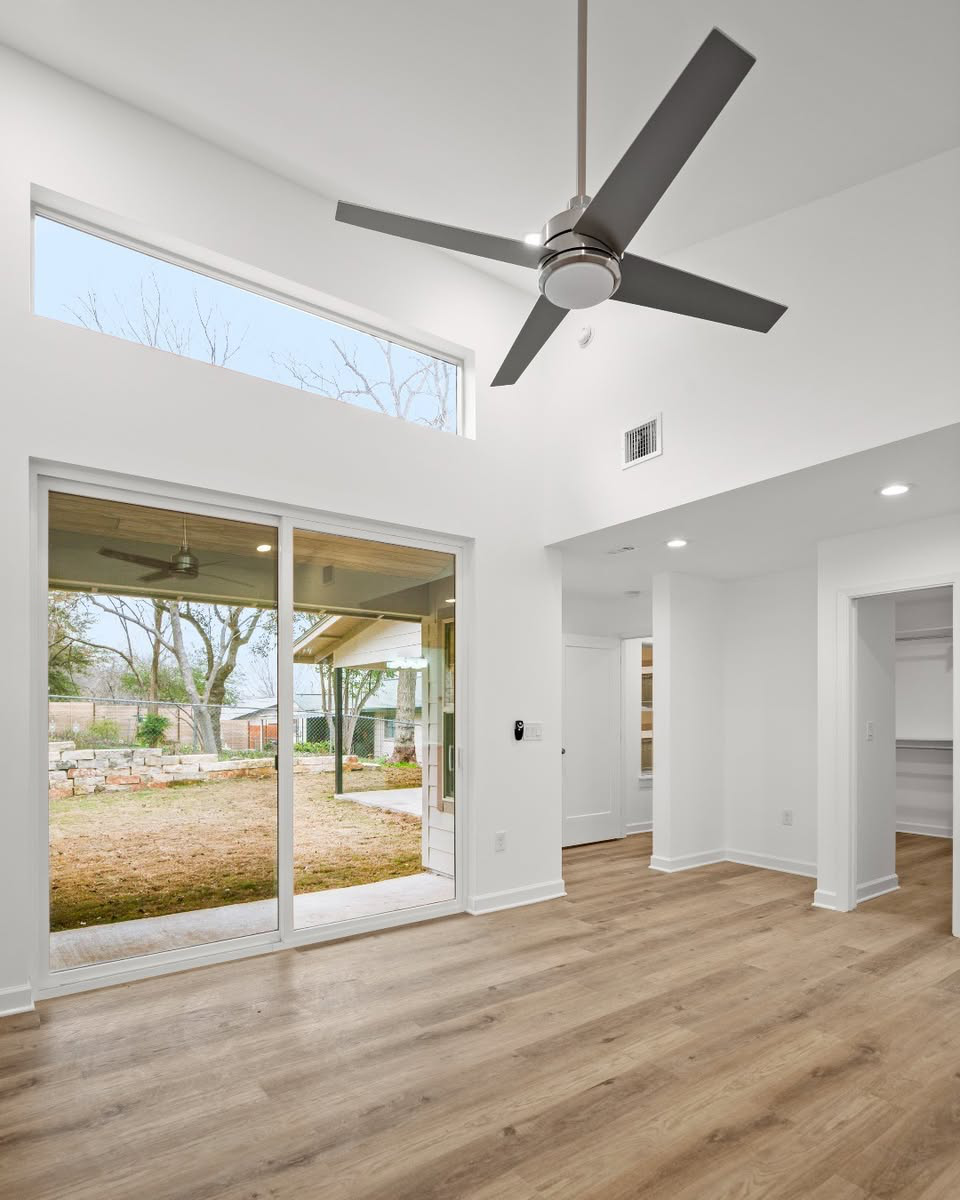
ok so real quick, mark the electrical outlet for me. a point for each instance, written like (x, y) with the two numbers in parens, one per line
(500, 841)
(787, 817)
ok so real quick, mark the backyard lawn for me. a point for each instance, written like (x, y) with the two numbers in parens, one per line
(117, 856)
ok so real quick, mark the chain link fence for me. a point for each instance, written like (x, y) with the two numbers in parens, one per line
(106, 722)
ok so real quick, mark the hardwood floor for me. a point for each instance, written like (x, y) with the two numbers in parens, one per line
(703, 1035)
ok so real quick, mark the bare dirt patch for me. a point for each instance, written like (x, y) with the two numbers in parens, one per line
(116, 856)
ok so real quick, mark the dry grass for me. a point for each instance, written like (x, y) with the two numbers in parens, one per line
(116, 856)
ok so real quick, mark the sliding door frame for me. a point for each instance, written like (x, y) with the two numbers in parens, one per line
(53, 477)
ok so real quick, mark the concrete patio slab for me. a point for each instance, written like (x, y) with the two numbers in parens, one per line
(402, 800)
(149, 935)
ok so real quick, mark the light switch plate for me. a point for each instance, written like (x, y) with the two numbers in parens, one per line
(533, 732)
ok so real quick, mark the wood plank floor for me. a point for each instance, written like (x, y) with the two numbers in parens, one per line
(704, 1035)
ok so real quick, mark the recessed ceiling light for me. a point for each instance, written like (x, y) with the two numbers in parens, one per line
(895, 489)
(677, 543)
(264, 547)
(532, 239)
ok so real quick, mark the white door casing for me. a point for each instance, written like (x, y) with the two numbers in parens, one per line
(591, 740)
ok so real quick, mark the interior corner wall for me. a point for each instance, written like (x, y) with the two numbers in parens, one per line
(769, 720)
(688, 825)
(875, 740)
(77, 397)
(914, 554)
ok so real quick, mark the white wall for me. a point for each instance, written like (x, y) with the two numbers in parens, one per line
(71, 395)
(924, 671)
(914, 554)
(688, 825)
(637, 792)
(607, 616)
(875, 740)
(866, 354)
(925, 792)
(768, 709)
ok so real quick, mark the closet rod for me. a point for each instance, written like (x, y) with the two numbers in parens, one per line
(919, 635)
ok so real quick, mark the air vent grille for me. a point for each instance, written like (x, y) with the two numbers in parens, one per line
(642, 442)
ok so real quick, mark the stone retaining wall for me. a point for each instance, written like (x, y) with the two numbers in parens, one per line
(76, 772)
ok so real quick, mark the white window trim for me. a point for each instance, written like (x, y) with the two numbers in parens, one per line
(128, 234)
(47, 477)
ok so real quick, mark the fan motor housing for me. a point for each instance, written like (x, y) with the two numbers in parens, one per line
(576, 271)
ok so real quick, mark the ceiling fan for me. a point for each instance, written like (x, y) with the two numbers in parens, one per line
(184, 564)
(581, 252)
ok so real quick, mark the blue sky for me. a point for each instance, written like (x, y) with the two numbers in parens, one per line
(71, 264)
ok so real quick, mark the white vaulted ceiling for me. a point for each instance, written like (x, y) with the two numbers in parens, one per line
(464, 112)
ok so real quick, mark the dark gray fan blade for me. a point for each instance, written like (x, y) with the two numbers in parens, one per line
(155, 575)
(655, 285)
(225, 579)
(450, 237)
(543, 320)
(665, 143)
(140, 559)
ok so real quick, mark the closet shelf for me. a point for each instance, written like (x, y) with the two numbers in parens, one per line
(924, 744)
(923, 635)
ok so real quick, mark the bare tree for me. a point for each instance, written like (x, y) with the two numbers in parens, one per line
(393, 390)
(148, 616)
(405, 739)
(221, 630)
(149, 319)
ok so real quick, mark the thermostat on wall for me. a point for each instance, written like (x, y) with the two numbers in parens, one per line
(528, 731)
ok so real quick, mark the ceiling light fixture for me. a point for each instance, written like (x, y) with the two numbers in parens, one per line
(264, 547)
(677, 543)
(895, 489)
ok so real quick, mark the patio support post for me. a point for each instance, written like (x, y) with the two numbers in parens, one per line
(338, 729)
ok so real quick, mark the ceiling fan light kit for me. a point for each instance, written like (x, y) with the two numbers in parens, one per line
(581, 253)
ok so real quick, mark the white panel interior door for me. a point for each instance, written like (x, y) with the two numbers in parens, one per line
(591, 740)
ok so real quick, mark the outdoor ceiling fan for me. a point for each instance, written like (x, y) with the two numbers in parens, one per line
(580, 253)
(184, 564)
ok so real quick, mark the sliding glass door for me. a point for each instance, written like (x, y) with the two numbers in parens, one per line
(162, 781)
(373, 709)
(199, 790)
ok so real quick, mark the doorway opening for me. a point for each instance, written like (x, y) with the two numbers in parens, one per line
(904, 753)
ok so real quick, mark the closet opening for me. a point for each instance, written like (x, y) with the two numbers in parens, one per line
(903, 754)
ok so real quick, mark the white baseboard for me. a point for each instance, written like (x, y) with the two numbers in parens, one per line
(16, 1000)
(516, 897)
(877, 887)
(639, 827)
(686, 862)
(943, 831)
(790, 866)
